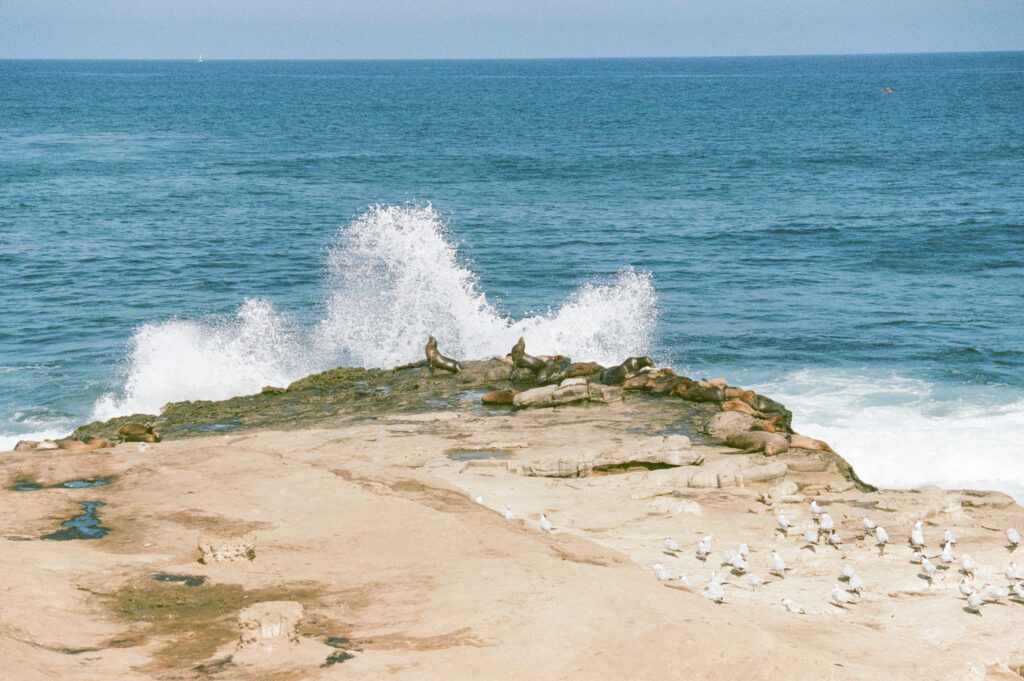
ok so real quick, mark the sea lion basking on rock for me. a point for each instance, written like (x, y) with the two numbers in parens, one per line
(521, 360)
(616, 375)
(759, 441)
(436, 359)
(136, 432)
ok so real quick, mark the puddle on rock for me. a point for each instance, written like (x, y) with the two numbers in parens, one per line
(474, 454)
(26, 485)
(87, 482)
(335, 658)
(85, 526)
(187, 580)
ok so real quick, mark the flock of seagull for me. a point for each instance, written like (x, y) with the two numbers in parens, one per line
(737, 561)
(824, 530)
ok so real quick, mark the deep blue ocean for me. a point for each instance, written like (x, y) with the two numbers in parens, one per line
(181, 230)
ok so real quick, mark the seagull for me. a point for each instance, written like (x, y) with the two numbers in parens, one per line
(715, 577)
(994, 593)
(968, 565)
(142, 447)
(792, 607)
(738, 563)
(948, 538)
(509, 515)
(480, 500)
(827, 525)
(684, 580)
(703, 548)
(917, 536)
(663, 574)
(754, 581)
(1018, 591)
(868, 524)
(840, 597)
(846, 573)
(784, 524)
(856, 584)
(671, 545)
(965, 586)
(928, 568)
(974, 601)
(947, 556)
(1013, 537)
(882, 536)
(743, 550)
(545, 524)
(714, 591)
(1011, 572)
(810, 537)
(778, 565)
(728, 557)
(815, 509)
(834, 540)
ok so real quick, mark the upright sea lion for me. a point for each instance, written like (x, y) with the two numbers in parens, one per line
(757, 441)
(436, 359)
(522, 360)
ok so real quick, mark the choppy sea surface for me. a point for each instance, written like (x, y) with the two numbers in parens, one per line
(182, 230)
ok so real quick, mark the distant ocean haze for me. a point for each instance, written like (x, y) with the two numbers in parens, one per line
(183, 230)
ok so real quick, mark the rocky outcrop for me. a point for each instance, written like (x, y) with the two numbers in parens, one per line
(269, 624)
(221, 549)
(728, 423)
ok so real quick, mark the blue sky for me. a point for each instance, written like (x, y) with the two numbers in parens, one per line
(395, 29)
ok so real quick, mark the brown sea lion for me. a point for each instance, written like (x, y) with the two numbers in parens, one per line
(498, 396)
(758, 441)
(696, 393)
(84, 445)
(436, 360)
(742, 407)
(25, 446)
(665, 385)
(579, 369)
(136, 432)
(718, 383)
(522, 360)
(616, 375)
(804, 442)
(640, 382)
(733, 391)
(556, 369)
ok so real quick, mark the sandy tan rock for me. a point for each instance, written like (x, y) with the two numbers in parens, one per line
(728, 423)
(269, 624)
(226, 549)
(604, 393)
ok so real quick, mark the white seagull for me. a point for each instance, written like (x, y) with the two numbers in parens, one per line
(965, 586)
(846, 573)
(827, 525)
(968, 565)
(754, 581)
(815, 509)
(1011, 572)
(840, 597)
(545, 524)
(1013, 537)
(868, 524)
(834, 540)
(994, 593)
(738, 563)
(778, 565)
(714, 591)
(810, 537)
(918, 536)
(974, 601)
(663, 574)
(784, 523)
(881, 536)
(948, 538)
(928, 568)
(792, 607)
(743, 550)
(480, 500)
(1018, 591)
(509, 515)
(671, 545)
(947, 556)
(856, 584)
(704, 547)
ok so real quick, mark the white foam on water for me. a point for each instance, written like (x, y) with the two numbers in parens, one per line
(902, 432)
(393, 278)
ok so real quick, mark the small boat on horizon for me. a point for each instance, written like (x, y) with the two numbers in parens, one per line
(200, 60)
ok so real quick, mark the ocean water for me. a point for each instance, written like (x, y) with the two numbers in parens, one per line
(180, 230)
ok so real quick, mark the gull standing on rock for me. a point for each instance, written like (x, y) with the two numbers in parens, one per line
(1011, 573)
(918, 536)
(815, 509)
(754, 581)
(509, 515)
(545, 524)
(968, 565)
(827, 525)
(995, 593)
(947, 556)
(840, 597)
(738, 563)
(811, 537)
(671, 545)
(974, 601)
(1013, 537)
(743, 550)
(882, 537)
(714, 591)
(965, 586)
(784, 524)
(792, 607)
(835, 540)
(868, 524)
(704, 547)
(778, 565)
(948, 538)
(928, 568)
(1018, 591)
(856, 584)
(846, 573)
(663, 574)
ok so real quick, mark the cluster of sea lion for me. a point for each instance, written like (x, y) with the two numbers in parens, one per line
(772, 432)
(129, 432)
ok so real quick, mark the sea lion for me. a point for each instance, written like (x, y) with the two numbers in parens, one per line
(804, 442)
(616, 375)
(665, 385)
(641, 382)
(25, 446)
(436, 359)
(718, 383)
(695, 393)
(584, 369)
(498, 396)
(556, 370)
(88, 444)
(758, 441)
(136, 432)
(522, 360)
(733, 391)
(742, 407)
